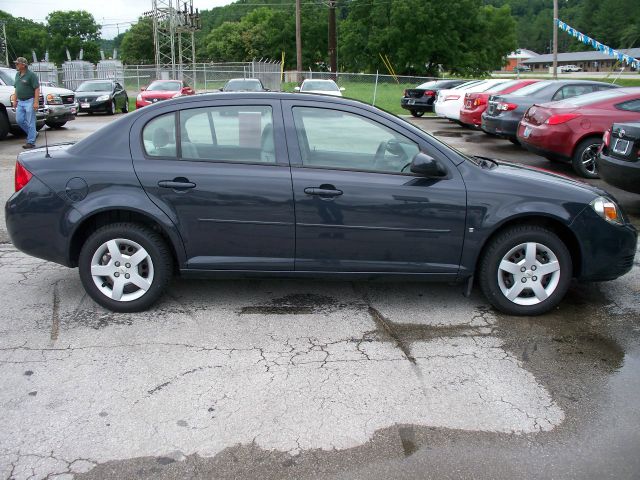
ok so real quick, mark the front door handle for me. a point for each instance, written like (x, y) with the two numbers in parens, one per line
(323, 192)
(179, 183)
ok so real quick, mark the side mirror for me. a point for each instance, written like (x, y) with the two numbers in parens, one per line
(297, 89)
(427, 166)
(267, 90)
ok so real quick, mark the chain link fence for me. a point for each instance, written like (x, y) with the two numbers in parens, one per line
(384, 91)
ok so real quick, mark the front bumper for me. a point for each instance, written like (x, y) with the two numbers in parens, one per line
(607, 250)
(94, 106)
(619, 173)
(62, 113)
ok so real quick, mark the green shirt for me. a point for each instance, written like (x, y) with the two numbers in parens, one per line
(26, 85)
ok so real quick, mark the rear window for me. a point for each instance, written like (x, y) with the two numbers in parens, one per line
(533, 88)
(430, 84)
(589, 98)
(503, 86)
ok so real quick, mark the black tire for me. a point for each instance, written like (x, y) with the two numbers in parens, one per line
(4, 125)
(55, 124)
(125, 108)
(584, 157)
(39, 126)
(17, 132)
(417, 113)
(155, 268)
(512, 246)
(112, 107)
(514, 140)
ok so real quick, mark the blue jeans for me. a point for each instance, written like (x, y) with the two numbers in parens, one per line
(26, 118)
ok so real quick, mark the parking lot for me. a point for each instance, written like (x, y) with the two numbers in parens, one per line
(315, 379)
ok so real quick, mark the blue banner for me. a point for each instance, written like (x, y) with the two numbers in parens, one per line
(621, 57)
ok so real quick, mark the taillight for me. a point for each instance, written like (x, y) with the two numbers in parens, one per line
(479, 101)
(562, 118)
(504, 106)
(429, 93)
(22, 176)
(606, 138)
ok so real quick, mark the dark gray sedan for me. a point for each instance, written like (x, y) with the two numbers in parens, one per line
(504, 112)
(282, 185)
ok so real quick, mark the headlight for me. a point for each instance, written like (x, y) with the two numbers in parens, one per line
(607, 209)
(102, 98)
(53, 99)
(139, 98)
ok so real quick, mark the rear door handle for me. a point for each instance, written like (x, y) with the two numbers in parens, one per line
(179, 183)
(323, 192)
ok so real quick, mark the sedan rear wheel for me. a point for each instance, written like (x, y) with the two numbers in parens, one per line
(584, 158)
(417, 113)
(525, 270)
(125, 267)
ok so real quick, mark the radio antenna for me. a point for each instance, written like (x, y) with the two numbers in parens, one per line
(46, 143)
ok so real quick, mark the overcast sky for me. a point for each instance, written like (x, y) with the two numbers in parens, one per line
(115, 15)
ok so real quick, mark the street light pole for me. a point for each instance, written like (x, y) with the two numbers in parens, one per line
(298, 43)
(555, 39)
(333, 63)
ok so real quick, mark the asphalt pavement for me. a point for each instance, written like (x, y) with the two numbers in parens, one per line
(314, 379)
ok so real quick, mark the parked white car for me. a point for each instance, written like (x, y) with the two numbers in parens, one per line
(449, 102)
(326, 87)
(59, 105)
(569, 68)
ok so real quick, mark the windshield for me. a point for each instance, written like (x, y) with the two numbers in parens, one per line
(251, 85)
(8, 75)
(467, 84)
(503, 86)
(164, 86)
(533, 88)
(95, 87)
(325, 86)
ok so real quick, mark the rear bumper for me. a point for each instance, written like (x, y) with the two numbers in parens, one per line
(502, 127)
(33, 210)
(619, 173)
(556, 141)
(419, 104)
(471, 117)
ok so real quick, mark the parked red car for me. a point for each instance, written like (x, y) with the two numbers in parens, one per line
(476, 103)
(162, 90)
(571, 129)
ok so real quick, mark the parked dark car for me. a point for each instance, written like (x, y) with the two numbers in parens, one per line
(571, 130)
(619, 159)
(420, 99)
(102, 96)
(244, 85)
(276, 184)
(504, 112)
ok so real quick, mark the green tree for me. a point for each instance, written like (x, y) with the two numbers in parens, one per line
(136, 47)
(73, 30)
(23, 36)
(419, 36)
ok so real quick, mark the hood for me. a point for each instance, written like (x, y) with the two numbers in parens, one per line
(92, 94)
(160, 93)
(514, 173)
(56, 90)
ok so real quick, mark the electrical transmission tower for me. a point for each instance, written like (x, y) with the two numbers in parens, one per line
(173, 36)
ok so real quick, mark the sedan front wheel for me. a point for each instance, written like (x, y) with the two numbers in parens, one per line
(525, 270)
(125, 267)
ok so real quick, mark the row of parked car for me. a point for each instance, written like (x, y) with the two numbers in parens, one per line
(577, 121)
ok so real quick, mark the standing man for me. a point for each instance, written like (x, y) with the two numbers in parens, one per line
(25, 100)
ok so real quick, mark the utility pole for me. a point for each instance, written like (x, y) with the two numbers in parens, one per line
(555, 39)
(298, 43)
(333, 63)
(6, 47)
